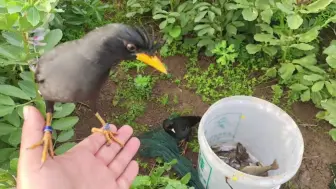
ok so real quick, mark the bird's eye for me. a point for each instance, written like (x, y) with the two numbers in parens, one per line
(131, 47)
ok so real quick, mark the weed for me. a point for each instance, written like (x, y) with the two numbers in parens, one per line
(164, 99)
(277, 93)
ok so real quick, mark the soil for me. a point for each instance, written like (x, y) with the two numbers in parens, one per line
(320, 150)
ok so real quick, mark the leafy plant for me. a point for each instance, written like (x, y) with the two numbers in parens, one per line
(156, 179)
(226, 54)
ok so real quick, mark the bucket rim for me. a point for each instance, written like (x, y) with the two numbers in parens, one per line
(270, 181)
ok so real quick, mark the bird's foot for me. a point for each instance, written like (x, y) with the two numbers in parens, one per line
(47, 144)
(109, 135)
(184, 145)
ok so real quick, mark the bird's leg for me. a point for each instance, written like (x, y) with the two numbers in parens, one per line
(184, 145)
(109, 135)
(47, 137)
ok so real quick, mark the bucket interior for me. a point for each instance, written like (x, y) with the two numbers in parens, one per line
(266, 131)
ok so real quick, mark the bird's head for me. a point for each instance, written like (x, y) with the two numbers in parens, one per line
(167, 124)
(133, 43)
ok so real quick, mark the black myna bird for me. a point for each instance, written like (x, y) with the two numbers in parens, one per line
(180, 128)
(76, 70)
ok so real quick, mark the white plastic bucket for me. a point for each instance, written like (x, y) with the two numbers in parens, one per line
(265, 130)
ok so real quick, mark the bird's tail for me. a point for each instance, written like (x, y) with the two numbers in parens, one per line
(193, 119)
(275, 165)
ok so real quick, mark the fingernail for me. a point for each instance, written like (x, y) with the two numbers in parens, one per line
(25, 113)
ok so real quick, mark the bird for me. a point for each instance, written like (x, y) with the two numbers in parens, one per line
(75, 71)
(180, 128)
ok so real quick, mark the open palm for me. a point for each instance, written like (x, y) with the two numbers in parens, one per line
(88, 165)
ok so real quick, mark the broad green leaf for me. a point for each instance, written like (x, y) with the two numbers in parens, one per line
(175, 31)
(163, 24)
(65, 135)
(271, 51)
(28, 87)
(5, 153)
(331, 60)
(331, 89)
(200, 16)
(13, 119)
(329, 105)
(6, 129)
(10, 52)
(321, 114)
(271, 72)
(14, 164)
(313, 77)
(231, 29)
(305, 96)
(286, 71)
(14, 6)
(40, 105)
(315, 69)
(284, 8)
(25, 25)
(15, 137)
(66, 109)
(171, 20)
(13, 38)
(216, 10)
(33, 16)
(238, 23)
(130, 14)
(309, 35)
(186, 178)
(330, 50)
(316, 6)
(64, 148)
(316, 97)
(205, 42)
(201, 26)
(266, 28)
(52, 39)
(175, 14)
(294, 21)
(141, 181)
(6, 100)
(303, 46)
(318, 86)
(27, 75)
(159, 16)
(298, 87)
(5, 110)
(266, 15)
(8, 20)
(262, 37)
(307, 60)
(13, 91)
(250, 14)
(332, 133)
(65, 123)
(252, 48)
(262, 4)
(211, 16)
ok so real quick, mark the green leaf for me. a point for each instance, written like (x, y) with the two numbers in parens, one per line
(6, 100)
(171, 20)
(307, 60)
(284, 8)
(294, 21)
(14, 7)
(24, 24)
(318, 86)
(332, 133)
(33, 16)
(266, 15)
(8, 20)
(200, 15)
(15, 137)
(9, 51)
(231, 29)
(159, 16)
(271, 72)
(250, 14)
(14, 164)
(64, 148)
(305, 96)
(66, 109)
(312, 77)
(5, 110)
(316, 6)
(205, 42)
(28, 87)
(271, 51)
(186, 178)
(321, 115)
(331, 60)
(5, 153)
(65, 123)
(163, 24)
(201, 26)
(262, 37)
(309, 36)
(286, 71)
(330, 50)
(252, 48)
(298, 87)
(175, 31)
(14, 119)
(266, 28)
(303, 46)
(52, 39)
(13, 38)
(331, 89)
(13, 91)
(211, 16)
(27, 75)
(6, 129)
(65, 135)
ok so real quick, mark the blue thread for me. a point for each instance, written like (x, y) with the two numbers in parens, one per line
(107, 126)
(48, 128)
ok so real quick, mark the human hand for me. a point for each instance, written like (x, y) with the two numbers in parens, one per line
(88, 165)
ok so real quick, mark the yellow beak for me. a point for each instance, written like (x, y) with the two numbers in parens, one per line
(153, 61)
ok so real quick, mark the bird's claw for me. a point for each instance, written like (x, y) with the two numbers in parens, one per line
(47, 144)
(184, 146)
(109, 135)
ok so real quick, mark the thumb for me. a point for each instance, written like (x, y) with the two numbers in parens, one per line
(32, 133)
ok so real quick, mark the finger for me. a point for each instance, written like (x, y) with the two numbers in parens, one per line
(94, 142)
(128, 176)
(32, 133)
(107, 153)
(120, 162)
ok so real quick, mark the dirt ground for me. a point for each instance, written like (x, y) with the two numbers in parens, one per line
(320, 150)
